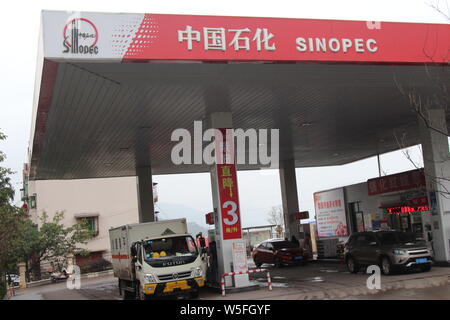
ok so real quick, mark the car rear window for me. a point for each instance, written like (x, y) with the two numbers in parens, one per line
(352, 239)
(361, 240)
(389, 238)
(283, 244)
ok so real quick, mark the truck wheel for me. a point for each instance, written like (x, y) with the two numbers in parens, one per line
(142, 296)
(127, 295)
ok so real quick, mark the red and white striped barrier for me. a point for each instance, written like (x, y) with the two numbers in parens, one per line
(12, 291)
(222, 282)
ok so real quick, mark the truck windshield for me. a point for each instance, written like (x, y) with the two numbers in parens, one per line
(170, 251)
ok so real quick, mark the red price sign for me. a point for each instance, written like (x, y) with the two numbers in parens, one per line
(229, 201)
(301, 215)
(227, 187)
(209, 217)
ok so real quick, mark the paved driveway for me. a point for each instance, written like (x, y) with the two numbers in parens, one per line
(314, 281)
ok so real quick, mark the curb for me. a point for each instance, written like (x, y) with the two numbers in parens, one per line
(96, 274)
(86, 275)
(38, 283)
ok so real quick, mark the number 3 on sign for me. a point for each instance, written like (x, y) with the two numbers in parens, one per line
(231, 212)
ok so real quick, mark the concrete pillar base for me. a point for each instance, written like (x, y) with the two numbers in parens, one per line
(22, 273)
(70, 259)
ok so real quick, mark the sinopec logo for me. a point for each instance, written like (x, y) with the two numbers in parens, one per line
(80, 37)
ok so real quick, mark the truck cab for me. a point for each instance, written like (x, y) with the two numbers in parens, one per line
(169, 265)
(157, 259)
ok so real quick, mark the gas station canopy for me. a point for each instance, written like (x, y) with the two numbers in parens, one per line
(111, 88)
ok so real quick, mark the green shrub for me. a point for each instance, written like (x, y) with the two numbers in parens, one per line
(2, 289)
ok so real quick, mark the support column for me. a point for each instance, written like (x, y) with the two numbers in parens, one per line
(22, 273)
(289, 197)
(145, 194)
(70, 259)
(227, 220)
(436, 157)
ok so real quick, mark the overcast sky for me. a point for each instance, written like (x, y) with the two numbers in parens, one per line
(258, 191)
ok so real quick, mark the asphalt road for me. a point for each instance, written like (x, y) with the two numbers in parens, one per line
(98, 288)
(288, 283)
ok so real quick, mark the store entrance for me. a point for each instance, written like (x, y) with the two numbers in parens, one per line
(408, 222)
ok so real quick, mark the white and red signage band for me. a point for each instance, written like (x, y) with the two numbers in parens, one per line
(181, 37)
(413, 179)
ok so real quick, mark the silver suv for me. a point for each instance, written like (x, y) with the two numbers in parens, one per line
(391, 250)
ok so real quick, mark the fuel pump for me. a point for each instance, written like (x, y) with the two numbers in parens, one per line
(211, 262)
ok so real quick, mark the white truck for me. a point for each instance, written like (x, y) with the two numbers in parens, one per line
(157, 259)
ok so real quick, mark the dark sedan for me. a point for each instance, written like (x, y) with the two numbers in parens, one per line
(279, 252)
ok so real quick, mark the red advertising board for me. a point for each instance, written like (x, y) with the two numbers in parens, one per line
(413, 179)
(227, 187)
(184, 37)
(209, 218)
(229, 201)
(301, 215)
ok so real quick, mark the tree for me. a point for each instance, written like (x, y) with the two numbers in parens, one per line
(23, 241)
(6, 190)
(420, 105)
(51, 242)
(55, 241)
(9, 221)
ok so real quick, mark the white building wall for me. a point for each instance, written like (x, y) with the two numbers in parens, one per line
(367, 204)
(114, 199)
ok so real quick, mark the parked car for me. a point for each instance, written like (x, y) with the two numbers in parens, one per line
(391, 250)
(279, 252)
(15, 279)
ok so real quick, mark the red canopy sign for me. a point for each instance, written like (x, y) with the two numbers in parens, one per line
(182, 37)
(413, 179)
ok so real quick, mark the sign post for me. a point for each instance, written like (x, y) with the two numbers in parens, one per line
(239, 260)
(227, 216)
